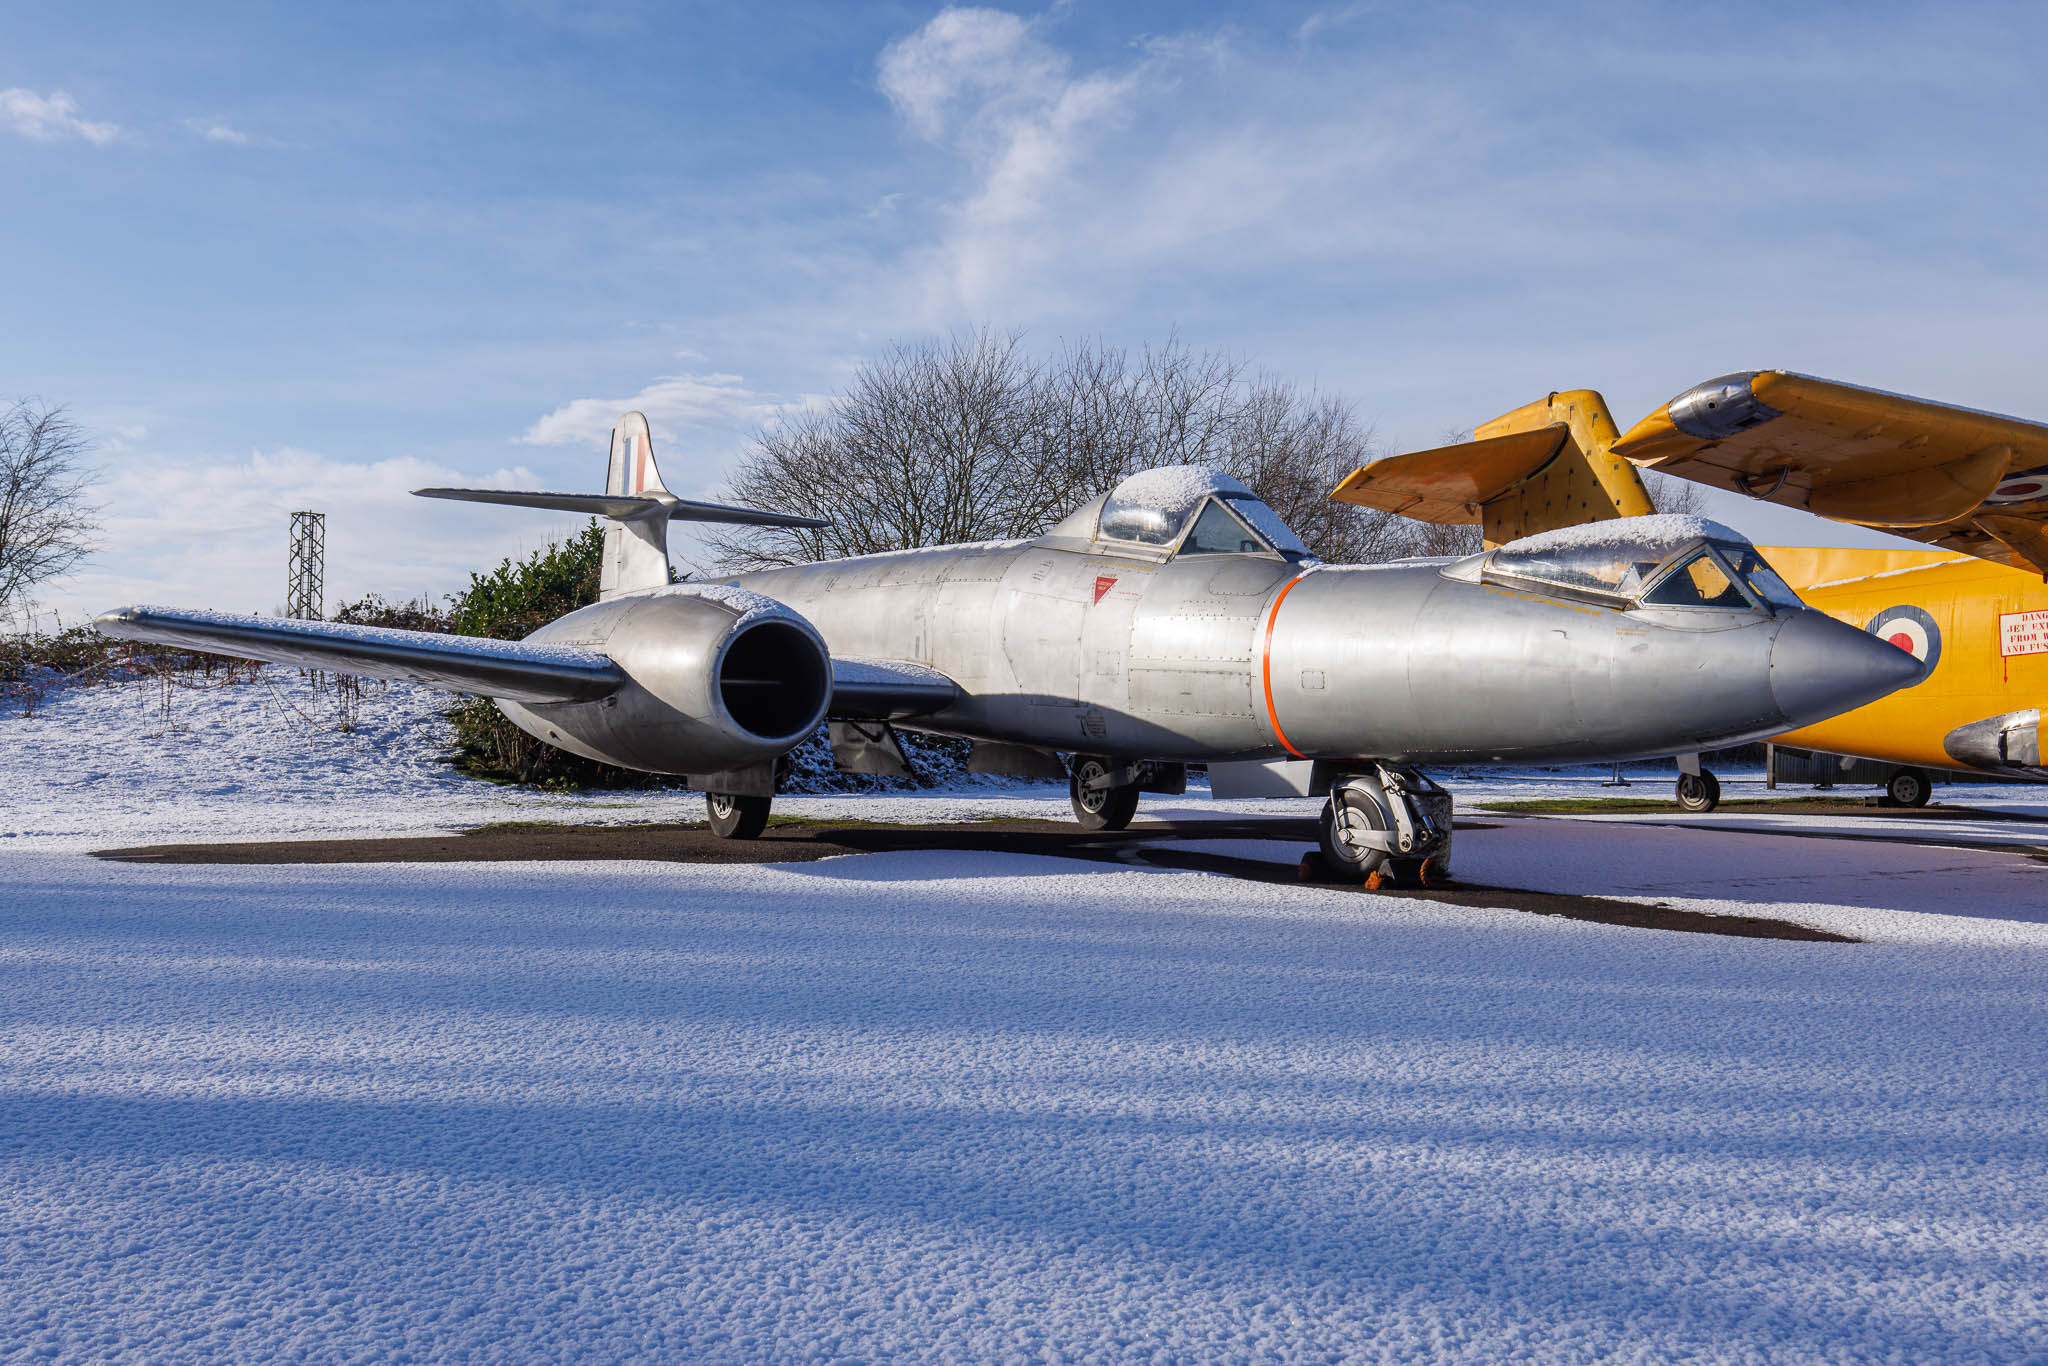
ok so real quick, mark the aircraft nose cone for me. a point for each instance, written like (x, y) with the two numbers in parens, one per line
(1820, 668)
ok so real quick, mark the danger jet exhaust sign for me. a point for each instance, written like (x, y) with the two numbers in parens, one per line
(2023, 633)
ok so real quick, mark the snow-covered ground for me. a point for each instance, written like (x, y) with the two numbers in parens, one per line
(985, 1107)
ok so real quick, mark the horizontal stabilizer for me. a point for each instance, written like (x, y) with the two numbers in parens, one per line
(1543, 466)
(623, 507)
(888, 689)
(495, 668)
(1450, 484)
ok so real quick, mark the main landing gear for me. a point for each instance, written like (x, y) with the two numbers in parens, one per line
(736, 818)
(1699, 791)
(1105, 791)
(1908, 787)
(1392, 824)
(741, 815)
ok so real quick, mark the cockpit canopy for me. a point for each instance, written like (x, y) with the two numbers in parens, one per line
(1660, 561)
(1182, 510)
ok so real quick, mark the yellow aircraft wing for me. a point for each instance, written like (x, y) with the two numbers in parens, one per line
(1954, 477)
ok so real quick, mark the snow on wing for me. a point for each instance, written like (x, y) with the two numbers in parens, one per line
(887, 689)
(496, 668)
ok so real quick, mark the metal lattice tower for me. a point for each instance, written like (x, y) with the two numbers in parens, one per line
(305, 598)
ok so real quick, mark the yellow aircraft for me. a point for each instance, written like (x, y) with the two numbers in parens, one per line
(1974, 484)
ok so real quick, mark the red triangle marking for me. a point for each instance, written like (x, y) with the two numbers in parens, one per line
(1103, 583)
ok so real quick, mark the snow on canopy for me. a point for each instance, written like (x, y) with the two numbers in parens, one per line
(1153, 505)
(1666, 529)
(1616, 556)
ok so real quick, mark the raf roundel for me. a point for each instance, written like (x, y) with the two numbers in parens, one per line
(1912, 630)
(2022, 486)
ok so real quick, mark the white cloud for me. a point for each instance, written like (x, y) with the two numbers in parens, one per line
(220, 131)
(215, 131)
(670, 403)
(215, 535)
(983, 83)
(117, 439)
(47, 118)
(985, 55)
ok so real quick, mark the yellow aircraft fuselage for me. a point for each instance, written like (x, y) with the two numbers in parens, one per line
(1985, 625)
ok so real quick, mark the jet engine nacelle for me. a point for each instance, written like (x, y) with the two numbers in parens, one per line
(717, 678)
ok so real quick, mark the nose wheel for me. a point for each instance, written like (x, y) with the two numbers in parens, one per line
(1350, 818)
(1390, 825)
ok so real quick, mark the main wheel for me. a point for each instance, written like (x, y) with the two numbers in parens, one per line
(736, 818)
(1699, 791)
(1358, 811)
(1105, 808)
(1908, 787)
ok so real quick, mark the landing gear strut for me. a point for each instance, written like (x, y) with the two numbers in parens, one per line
(1392, 822)
(1699, 791)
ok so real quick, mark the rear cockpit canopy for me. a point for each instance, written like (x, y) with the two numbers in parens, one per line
(1659, 561)
(1180, 510)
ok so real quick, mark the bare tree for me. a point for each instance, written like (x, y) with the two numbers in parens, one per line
(1669, 493)
(46, 525)
(972, 438)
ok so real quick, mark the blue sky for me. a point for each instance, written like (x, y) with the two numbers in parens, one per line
(287, 256)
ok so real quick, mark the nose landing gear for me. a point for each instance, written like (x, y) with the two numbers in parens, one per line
(1392, 824)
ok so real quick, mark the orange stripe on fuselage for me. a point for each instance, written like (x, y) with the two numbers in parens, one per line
(1266, 665)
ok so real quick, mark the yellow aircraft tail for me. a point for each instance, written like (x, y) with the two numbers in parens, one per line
(1547, 464)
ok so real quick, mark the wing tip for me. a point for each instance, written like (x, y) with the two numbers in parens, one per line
(125, 615)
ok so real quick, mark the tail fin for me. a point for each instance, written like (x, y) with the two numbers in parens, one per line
(1547, 464)
(635, 546)
(639, 508)
(632, 472)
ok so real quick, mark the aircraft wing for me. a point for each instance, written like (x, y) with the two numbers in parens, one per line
(1954, 477)
(496, 668)
(887, 689)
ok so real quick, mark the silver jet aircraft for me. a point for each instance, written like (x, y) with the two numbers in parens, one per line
(1174, 621)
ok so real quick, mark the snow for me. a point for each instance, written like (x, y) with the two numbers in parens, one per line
(975, 1108)
(1173, 488)
(165, 622)
(1666, 529)
(746, 605)
(851, 669)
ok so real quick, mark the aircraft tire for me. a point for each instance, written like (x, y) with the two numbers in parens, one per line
(736, 818)
(1110, 809)
(1341, 857)
(1908, 787)
(1701, 793)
